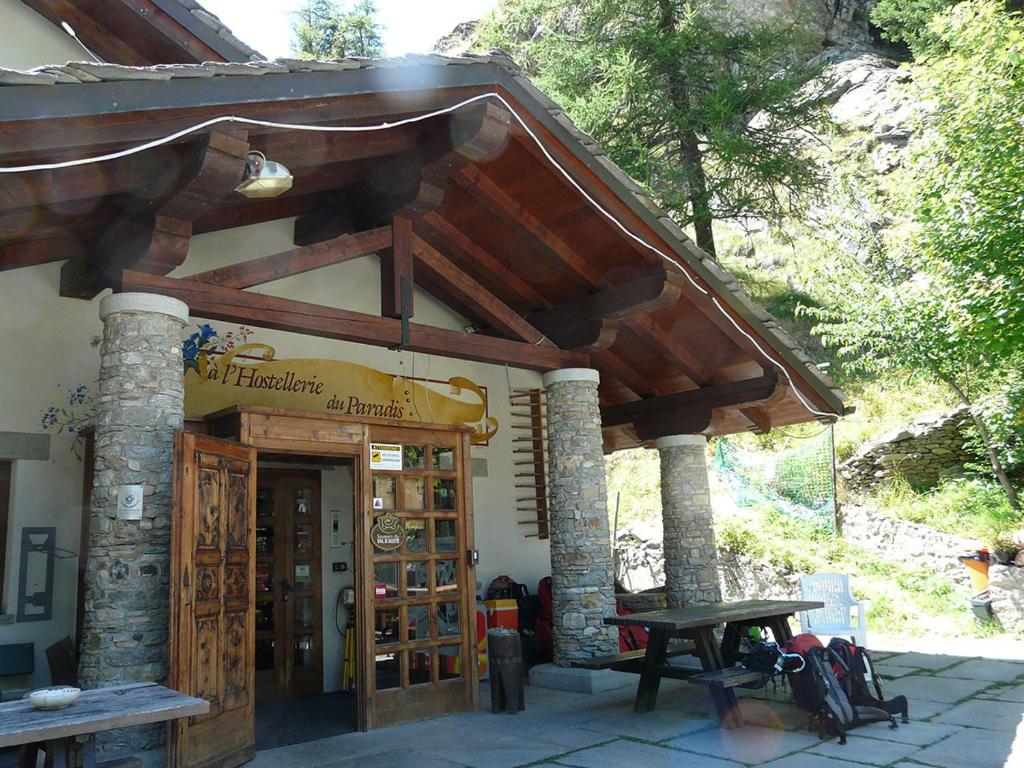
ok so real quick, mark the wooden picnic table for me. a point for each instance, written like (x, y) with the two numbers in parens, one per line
(60, 732)
(698, 623)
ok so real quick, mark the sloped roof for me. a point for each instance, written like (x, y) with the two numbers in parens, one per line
(303, 79)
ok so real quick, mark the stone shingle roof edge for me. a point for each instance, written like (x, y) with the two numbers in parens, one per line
(723, 282)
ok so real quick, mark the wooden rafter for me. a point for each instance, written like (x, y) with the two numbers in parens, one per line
(671, 347)
(297, 260)
(158, 240)
(439, 229)
(231, 305)
(396, 265)
(501, 205)
(485, 305)
(639, 296)
(688, 412)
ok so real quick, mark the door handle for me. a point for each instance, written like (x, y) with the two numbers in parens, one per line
(286, 589)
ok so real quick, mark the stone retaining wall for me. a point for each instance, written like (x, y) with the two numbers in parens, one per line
(923, 452)
(915, 545)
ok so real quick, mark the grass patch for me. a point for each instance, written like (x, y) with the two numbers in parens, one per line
(972, 508)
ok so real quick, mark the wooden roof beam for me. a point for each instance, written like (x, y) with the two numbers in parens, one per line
(486, 307)
(670, 347)
(412, 182)
(472, 180)
(235, 306)
(439, 229)
(688, 412)
(266, 269)
(592, 322)
(158, 240)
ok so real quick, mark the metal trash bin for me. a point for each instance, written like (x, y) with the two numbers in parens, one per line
(505, 654)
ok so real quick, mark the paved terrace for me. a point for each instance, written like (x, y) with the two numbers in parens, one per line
(965, 713)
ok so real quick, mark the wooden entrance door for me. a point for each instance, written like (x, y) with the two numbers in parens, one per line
(212, 621)
(420, 596)
(289, 625)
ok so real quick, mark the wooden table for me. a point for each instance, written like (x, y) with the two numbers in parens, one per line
(698, 624)
(61, 731)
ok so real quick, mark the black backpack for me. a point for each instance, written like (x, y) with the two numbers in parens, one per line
(825, 698)
(854, 668)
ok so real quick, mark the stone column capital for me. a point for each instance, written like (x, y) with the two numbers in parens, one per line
(675, 441)
(570, 374)
(152, 303)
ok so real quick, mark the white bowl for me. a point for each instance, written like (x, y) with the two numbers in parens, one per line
(54, 698)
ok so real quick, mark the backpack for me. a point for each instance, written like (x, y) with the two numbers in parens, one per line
(806, 689)
(853, 668)
(771, 661)
(829, 703)
(630, 638)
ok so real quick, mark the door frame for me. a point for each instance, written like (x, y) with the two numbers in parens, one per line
(310, 433)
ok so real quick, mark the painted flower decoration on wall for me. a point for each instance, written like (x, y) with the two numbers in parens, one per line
(70, 417)
(205, 340)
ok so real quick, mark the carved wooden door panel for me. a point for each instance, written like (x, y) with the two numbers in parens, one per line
(212, 601)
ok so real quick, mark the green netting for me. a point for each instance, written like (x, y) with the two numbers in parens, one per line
(799, 482)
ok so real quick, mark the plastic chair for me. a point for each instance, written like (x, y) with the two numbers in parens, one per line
(835, 619)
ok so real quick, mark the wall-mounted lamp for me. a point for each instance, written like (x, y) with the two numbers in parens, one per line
(264, 178)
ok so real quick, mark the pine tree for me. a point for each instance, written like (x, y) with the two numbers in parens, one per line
(324, 30)
(712, 116)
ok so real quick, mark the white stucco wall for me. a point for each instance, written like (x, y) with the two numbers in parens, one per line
(28, 40)
(48, 347)
(46, 344)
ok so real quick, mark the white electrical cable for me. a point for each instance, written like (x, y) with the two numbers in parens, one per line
(415, 119)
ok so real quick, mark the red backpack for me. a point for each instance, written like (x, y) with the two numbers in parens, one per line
(630, 638)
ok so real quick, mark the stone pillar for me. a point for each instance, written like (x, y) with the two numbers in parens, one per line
(140, 403)
(691, 561)
(582, 582)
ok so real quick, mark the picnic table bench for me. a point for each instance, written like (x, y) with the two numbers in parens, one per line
(630, 661)
(62, 731)
(698, 623)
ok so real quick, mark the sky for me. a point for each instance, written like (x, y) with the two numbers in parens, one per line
(410, 26)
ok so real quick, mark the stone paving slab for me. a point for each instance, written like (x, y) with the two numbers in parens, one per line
(810, 760)
(922, 709)
(945, 690)
(659, 725)
(889, 671)
(991, 715)
(915, 732)
(1005, 693)
(865, 750)
(745, 745)
(772, 714)
(974, 748)
(397, 758)
(986, 669)
(619, 754)
(494, 753)
(930, 661)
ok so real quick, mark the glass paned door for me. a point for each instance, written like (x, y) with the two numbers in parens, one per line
(289, 627)
(422, 595)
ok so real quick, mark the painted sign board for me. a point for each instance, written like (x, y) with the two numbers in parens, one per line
(386, 457)
(252, 375)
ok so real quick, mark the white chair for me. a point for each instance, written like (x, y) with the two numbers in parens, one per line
(835, 619)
